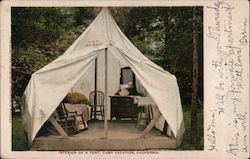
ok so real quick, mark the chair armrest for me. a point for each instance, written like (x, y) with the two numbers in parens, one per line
(74, 113)
(71, 112)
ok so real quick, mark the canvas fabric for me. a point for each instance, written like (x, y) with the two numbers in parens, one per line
(74, 72)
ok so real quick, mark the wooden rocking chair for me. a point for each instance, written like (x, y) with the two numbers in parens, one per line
(69, 120)
(66, 122)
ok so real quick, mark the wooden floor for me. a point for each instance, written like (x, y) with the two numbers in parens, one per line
(122, 135)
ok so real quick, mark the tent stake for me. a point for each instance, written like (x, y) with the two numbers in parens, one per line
(106, 95)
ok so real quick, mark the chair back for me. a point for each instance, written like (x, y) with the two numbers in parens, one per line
(61, 111)
(96, 98)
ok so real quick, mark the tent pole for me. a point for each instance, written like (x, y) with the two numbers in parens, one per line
(95, 74)
(95, 88)
(106, 94)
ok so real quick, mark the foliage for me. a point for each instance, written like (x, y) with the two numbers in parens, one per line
(76, 98)
(164, 35)
(37, 39)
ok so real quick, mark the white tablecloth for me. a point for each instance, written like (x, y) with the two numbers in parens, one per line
(148, 101)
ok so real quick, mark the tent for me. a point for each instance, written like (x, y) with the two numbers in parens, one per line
(102, 42)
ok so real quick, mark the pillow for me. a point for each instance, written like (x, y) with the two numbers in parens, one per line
(76, 98)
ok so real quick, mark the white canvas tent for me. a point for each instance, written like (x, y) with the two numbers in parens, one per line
(74, 70)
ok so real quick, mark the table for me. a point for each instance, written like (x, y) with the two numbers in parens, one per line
(145, 113)
(149, 107)
(123, 107)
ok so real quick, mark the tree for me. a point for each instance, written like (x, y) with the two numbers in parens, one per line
(183, 28)
(195, 71)
(165, 36)
(39, 38)
(195, 90)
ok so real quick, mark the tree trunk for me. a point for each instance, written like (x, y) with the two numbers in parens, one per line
(194, 93)
(166, 51)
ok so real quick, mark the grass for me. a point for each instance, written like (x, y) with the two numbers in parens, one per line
(186, 141)
(19, 142)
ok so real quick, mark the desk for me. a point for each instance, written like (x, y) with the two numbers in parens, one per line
(123, 107)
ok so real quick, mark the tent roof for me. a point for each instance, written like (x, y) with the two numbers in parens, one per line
(48, 86)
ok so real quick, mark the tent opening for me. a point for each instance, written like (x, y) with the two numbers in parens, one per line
(127, 104)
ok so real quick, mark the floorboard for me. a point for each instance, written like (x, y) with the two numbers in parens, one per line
(122, 135)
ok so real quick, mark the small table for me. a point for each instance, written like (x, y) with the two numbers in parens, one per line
(123, 107)
(145, 114)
